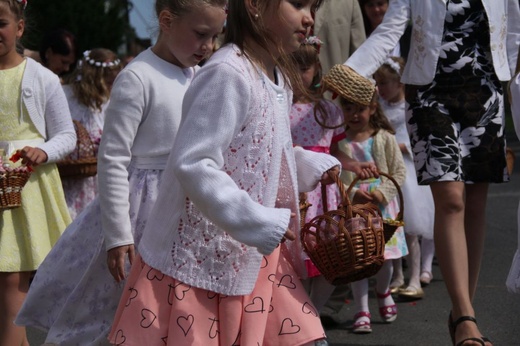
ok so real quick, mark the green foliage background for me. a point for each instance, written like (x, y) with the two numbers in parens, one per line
(95, 23)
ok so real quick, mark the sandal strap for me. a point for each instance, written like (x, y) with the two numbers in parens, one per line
(462, 319)
(480, 341)
(383, 295)
(362, 314)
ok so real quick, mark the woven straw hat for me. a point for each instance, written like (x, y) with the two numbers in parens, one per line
(347, 83)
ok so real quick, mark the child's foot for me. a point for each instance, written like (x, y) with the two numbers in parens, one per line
(411, 293)
(387, 307)
(396, 284)
(362, 323)
(426, 277)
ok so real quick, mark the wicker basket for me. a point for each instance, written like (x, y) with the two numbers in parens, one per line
(347, 244)
(350, 85)
(11, 185)
(389, 225)
(82, 162)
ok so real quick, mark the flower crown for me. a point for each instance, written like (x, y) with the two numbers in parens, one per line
(394, 65)
(92, 62)
(23, 2)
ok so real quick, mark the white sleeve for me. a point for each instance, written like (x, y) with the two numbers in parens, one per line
(123, 117)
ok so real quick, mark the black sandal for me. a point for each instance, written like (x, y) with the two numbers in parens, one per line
(453, 327)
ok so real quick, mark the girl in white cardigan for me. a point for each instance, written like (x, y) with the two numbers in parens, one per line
(141, 123)
(220, 263)
(35, 123)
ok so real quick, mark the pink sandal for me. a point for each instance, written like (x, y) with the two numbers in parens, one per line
(388, 313)
(362, 327)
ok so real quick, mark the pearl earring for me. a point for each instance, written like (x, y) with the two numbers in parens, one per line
(256, 16)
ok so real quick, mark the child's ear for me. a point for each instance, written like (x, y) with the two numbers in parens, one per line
(165, 19)
(20, 28)
(252, 8)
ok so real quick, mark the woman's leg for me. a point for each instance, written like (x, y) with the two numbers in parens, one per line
(13, 289)
(452, 252)
(475, 225)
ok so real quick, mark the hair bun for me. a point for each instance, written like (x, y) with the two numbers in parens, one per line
(349, 84)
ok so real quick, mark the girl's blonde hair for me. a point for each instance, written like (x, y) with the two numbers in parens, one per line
(378, 120)
(241, 27)
(15, 7)
(88, 81)
(392, 68)
(180, 7)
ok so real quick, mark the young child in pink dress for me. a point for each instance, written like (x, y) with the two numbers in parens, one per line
(88, 92)
(316, 123)
(218, 262)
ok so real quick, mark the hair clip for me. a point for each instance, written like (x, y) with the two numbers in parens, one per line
(92, 62)
(23, 2)
(394, 65)
(313, 40)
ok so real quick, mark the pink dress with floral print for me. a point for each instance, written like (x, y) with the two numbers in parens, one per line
(309, 134)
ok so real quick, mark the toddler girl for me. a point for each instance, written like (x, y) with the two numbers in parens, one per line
(213, 271)
(316, 123)
(418, 200)
(35, 123)
(87, 94)
(141, 122)
(370, 137)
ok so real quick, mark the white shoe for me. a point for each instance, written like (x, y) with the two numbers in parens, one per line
(321, 342)
(426, 277)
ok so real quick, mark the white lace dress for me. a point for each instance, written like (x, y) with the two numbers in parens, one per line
(79, 192)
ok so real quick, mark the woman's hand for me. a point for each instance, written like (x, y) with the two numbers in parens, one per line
(32, 156)
(116, 260)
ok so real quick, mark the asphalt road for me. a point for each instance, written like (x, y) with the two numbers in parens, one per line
(424, 322)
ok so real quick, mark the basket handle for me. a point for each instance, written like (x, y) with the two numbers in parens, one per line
(346, 204)
(398, 188)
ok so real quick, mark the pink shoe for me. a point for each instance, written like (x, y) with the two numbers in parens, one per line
(388, 313)
(362, 327)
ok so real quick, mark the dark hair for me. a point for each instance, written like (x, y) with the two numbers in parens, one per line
(366, 21)
(378, 120)
(60, 41)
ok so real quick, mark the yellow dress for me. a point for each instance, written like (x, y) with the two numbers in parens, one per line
(27, 233)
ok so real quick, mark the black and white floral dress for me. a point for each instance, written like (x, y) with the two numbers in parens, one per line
(456, 122)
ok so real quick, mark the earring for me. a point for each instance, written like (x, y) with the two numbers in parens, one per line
(256, 16)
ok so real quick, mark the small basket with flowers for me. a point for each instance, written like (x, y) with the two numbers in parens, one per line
(12, 182)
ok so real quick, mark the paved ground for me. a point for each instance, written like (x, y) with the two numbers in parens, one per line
(424, 322)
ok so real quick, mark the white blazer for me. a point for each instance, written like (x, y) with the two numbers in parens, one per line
(427, 18)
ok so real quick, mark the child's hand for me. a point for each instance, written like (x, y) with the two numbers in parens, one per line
(326, 177)
(362, 197)
(363, 170)
(116, 260)
(378, 197)
(32, 156)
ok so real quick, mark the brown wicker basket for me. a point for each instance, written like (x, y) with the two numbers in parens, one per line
(11, 186)
(82, 162)
(389, 225)
(350, 85)
(346, 244)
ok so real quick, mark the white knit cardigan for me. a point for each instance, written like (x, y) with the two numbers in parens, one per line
(48, 109)
(215, 216)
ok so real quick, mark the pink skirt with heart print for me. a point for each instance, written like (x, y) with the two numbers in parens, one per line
(156, 309)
